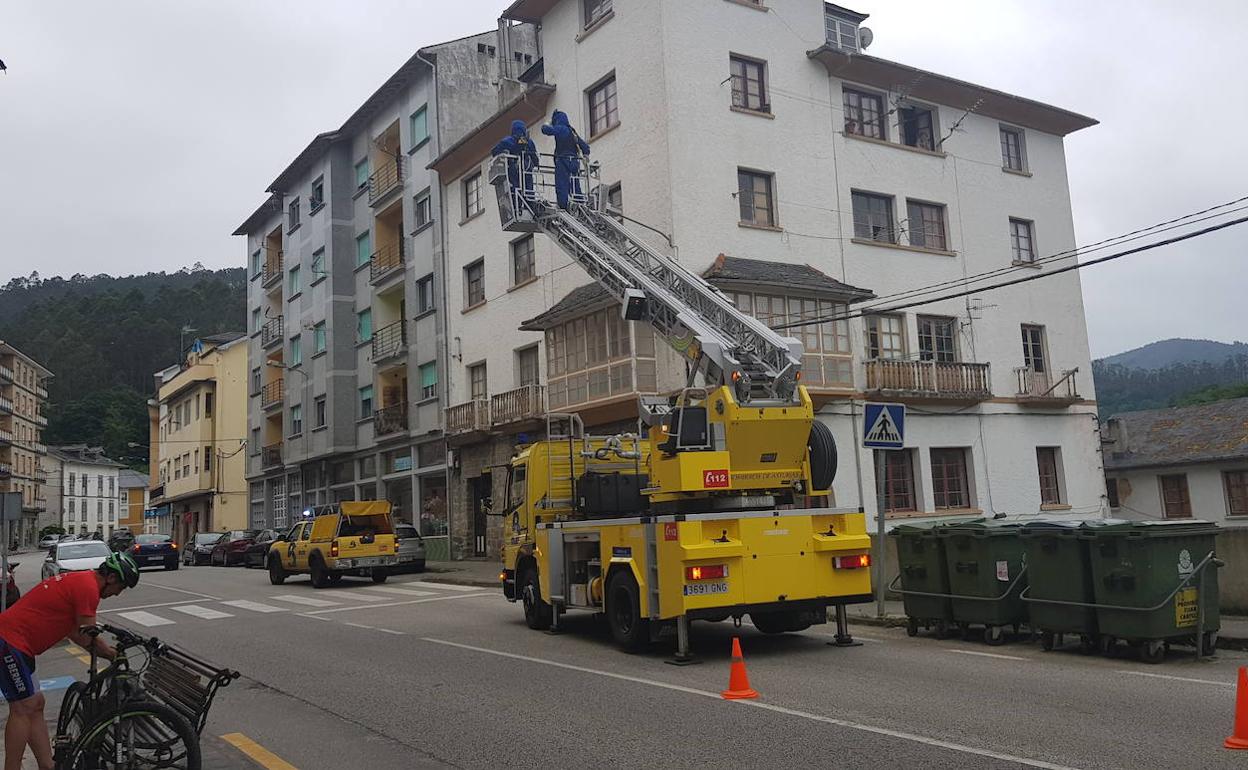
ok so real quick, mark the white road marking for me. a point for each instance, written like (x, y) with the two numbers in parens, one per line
(444, 586)
(180, 590)
(391, 631)
(207, 613)
(767, 706)
(307, 601)
(357, 593)
(314, 617)
(247, 604)
(142, 606)
(147, 619)
(986, 654)
(358, 625)
(1176, 678)
(370, 628)
(397, 604)
(402, 591)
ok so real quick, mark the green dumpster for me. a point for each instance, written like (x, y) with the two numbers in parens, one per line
(1153, 580)
(922, 570)
(985, 564)
(1059, 576)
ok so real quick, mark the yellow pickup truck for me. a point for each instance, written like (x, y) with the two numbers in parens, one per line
(348, 538)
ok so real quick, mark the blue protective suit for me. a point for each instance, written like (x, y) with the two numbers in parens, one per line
(518, 143)
(569, 146)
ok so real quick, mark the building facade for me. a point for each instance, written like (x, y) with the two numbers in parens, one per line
(346, 297)
(778, 140)
(132, 500)
(200, 448)
(87, 496)
(23, 392)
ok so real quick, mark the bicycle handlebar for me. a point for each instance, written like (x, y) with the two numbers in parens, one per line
(126, 638)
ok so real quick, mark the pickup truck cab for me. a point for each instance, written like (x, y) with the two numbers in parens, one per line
(348, 538)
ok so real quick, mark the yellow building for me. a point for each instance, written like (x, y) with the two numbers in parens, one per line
(132, 487)
(198, 456)
(23, 392)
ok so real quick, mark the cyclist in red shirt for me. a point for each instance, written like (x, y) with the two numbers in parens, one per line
(59, 607)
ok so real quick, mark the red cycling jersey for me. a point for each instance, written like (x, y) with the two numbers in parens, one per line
(49, 612)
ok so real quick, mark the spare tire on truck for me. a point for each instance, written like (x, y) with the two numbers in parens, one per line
(822, 452)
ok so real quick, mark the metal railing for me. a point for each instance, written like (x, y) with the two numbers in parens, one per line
(6, 405)
(6, 374)
(386, 259)
(385, 179)
(6, 469)
(390, 419)
(6, 436)
(40, 418)
(40, 474)
(272, 393)
(272, 266)
(271, 332)
(1034, 384)
(524, 403)
(468, 417)
(389, 341)
(271, 455)
(935, 378)
(41, 391)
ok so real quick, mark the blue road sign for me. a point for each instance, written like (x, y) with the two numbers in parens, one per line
(884, 426)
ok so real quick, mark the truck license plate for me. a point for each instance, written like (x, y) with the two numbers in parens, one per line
(701, 589)
(367, 561)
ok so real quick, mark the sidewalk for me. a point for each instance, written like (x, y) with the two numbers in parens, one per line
(482, 573)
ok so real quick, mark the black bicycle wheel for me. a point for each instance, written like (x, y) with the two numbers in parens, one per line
(138, 736)
(69, 718)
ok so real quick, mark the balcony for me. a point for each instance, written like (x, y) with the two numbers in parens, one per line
(272, 272)
(1038, 388)
(390, 419)
(6, 374)
(271, 332)
(389, 341)
(6, 469)
(41, 390)
(40, 475)
(6, 437)
(272, 394)
(468, 420)
(386, 261)
(384, 181)
(40, 419)
(929, 380)
(525, 403)
(156, 492)
(271, 456)
(6, 405)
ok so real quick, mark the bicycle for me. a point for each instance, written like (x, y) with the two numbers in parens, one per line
(112, 720)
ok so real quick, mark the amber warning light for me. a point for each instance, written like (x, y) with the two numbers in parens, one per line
(852, 562)
(711, 572)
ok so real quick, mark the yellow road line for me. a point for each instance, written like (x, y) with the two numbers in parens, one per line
(260, 754)
(84, 658)
(74, 649)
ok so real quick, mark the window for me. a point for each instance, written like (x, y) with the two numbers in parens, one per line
(255, 263)
(429, 380)
(474, 283)
(1013, 155)
(292, 215)
(754, 195)
(949, 484)
(364, 324)
(472, 196)
(1111, 492)
(419, 125)
(112, 511)
(318, 338)
(864, 113)
(71, 505)
(898, 473)
(294, 281)
(926, 224)
(615, 198)
(317, 198)
(936, 340)
(296, 350)
(1236, 492)
(917, 127)
(296, 420)
(99, 485)
(749, 87)
(318, 265)
(255, 441)
(424, 294)
(604, 110)
(1033, 348)
(363, 248)
(886, 337)
(366, 402)
(1174, 497)
(526, 366)
(522, 267)
(477, 382)
(112, 486)
(207, 459)
(256, 320)
(99, 509)
(422, 209)
(1050, 476)
(595, 10)
(361, 174)
(873, 217)
(840, 31)
(318, 412)
(71, 483)
(207, 404)
(256, 383)
(1022, 244)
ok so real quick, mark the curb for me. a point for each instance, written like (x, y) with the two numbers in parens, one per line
(461, 582)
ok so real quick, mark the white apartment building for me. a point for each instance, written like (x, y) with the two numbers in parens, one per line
(775, 140)
(89, 498)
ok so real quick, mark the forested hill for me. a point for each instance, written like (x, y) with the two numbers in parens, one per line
(104, 337)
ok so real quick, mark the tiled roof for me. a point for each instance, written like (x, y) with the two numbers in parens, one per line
(1183, 435)
(81, 453)
(129, 479)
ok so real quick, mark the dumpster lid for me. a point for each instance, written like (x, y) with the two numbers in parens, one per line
(1159, 528)
(983, 527)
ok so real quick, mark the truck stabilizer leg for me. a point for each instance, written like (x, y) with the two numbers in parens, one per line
(555, 612)
(843, 637)
(682, 657)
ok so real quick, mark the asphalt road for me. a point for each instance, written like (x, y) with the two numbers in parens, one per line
(412, 674)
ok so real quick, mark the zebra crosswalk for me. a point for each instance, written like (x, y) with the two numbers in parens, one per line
(343, 599)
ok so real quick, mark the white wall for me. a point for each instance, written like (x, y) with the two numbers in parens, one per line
(1205, 488)
(94, 520)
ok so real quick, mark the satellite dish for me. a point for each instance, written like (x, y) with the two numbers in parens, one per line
(865, 36)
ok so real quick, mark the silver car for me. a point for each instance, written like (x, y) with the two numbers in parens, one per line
(74, 555)
(411, 549)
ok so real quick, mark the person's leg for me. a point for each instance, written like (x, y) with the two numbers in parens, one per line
(562, 181)
(25, 727)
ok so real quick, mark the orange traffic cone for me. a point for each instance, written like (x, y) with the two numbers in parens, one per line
(738, 679)
(1239, 739)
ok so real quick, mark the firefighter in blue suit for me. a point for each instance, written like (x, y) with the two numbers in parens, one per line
(520, 144)
(569, 146)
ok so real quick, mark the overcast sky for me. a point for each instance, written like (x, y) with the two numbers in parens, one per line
(136, 135)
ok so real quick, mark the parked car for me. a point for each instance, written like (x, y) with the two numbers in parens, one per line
(258, 552)
(199, 550)
(121, 540)
(231, 549)
(48, 541)
(411, 549)
(75, 555)
(155, 551)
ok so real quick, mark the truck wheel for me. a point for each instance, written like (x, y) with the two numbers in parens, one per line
(822, 449)
(277, 575)
(335, 578)
(320, 575)
(630, 630)
(537, 613)
(378, 575)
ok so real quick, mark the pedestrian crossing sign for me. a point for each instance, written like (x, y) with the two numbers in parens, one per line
(884, 426)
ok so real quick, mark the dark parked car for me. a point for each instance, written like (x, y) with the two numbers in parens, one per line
(258, 552)
(121, 540)
(155, 551)
(199, 550)
(232, 548)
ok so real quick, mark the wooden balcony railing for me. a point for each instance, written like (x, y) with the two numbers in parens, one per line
(385, 260)
(272, 393)
(384, 180)
(1040, 386)
(272, 267)
(468, 417)
(271, 332)
(524, 403)
(930, 378)
(271, 455)
(389, 341)
(390, 419)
